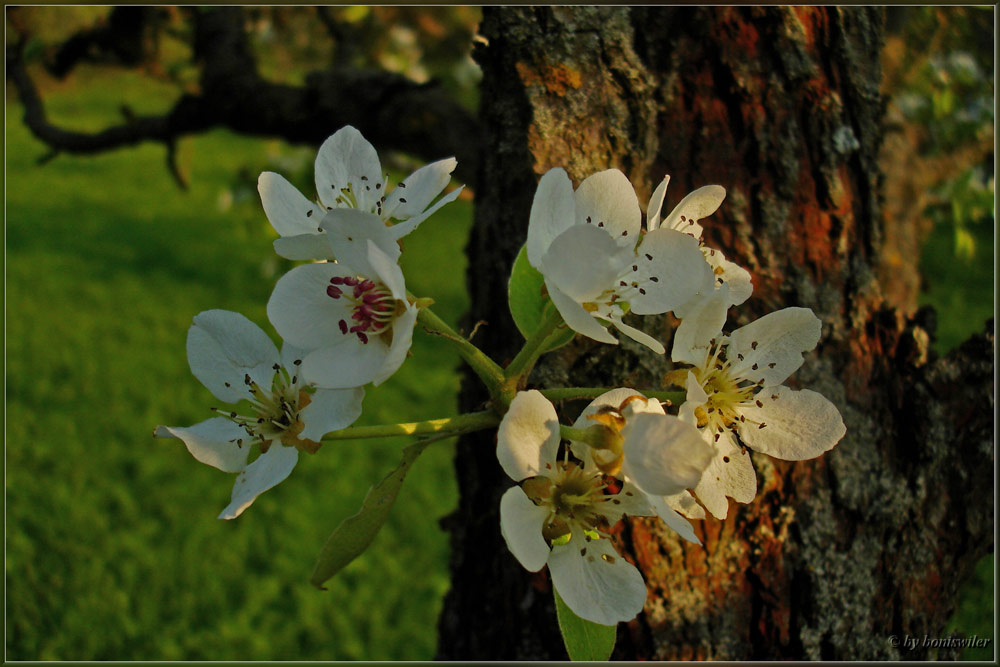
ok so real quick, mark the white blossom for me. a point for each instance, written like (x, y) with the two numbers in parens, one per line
(598, 264)
(661, 455)
(560, 513)
(352, 317)
(734, 388)
(685, 218)
(236, 361)
(733, 285)
(349, 176)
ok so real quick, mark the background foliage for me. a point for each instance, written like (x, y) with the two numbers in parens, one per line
(113, 551)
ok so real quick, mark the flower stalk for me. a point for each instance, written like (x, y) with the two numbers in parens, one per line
(445, 426)
(488, 371)
(518, 369)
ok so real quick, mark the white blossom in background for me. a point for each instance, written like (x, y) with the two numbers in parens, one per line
(352, 317)
(734, 388)
(598, 264)
(560, 513)
(349, 176)
(236, 361)
(662, 455)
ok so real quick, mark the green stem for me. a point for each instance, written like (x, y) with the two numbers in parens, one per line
(518, 369)
(487, 369)
(570, 433)
(570, 393)
(446, 427)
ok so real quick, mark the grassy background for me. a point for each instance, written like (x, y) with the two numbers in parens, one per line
(113, 549)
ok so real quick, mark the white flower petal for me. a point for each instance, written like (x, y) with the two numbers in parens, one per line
(733, 275)
(212, 442)
(521, 524)
(609, 200)
(703, 319)
(268, 470)
(684, 504)
(301, 310)
(418, 190)
(699, 204)
(631, 501)
(656, 205)
(578, 319)
(663, 455)
(330, 410)
(528, 436)
(595, 582)
(775, 344)
(799, 425)
(349, 231)
(385, 268)
(731, 474)
(290, 354)
(639, 404)
(347, 159)
(552, 213)
(679, 268)
(694, 399)
(611, 399)
(300, 247)
(583, 262)
(346, 364)
(402, 339)
(224, 347)
(640, 337)
(670, 517)
(401, 229)
(288, 211)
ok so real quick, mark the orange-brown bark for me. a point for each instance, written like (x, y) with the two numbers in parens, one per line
(781, 106)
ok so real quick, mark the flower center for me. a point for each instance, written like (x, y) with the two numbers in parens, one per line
(727, 393)
(373, 306)
(368, 196)
(574, 497)
(275, 411)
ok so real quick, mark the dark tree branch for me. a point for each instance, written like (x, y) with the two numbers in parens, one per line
(392, 111)
(126, 38)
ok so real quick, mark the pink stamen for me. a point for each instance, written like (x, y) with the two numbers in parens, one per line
(373, 308)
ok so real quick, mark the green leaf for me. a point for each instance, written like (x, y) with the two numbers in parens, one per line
(528, 303)
(585, 640)
(355, 533)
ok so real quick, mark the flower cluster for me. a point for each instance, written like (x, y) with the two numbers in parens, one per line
(625, 455)
(347, 320)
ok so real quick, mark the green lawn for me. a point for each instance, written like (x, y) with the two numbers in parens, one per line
(113, 548)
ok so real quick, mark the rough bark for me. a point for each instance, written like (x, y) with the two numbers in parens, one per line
(781, 106)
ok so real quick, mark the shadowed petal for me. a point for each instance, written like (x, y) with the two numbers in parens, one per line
(212, 442)
(528, 436)
(268, 470)
(521, 525)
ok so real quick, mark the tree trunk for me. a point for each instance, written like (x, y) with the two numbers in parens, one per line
(781, 106)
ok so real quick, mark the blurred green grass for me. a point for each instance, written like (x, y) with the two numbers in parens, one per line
(113, 548)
